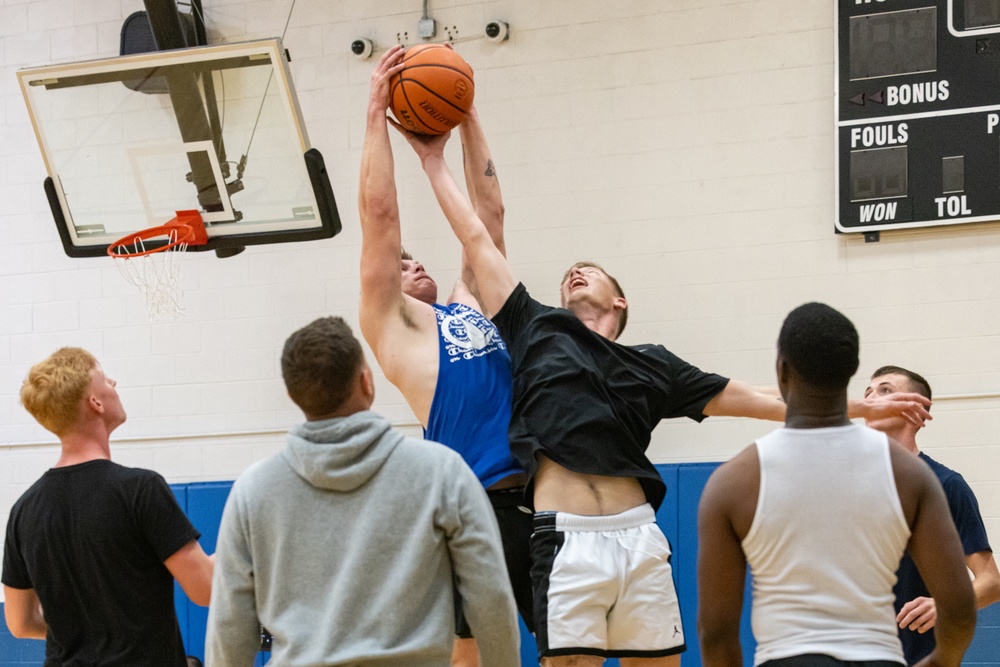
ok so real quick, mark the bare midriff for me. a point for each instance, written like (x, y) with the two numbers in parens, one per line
(562, 490)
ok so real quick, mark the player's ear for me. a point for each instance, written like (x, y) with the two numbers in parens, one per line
(367, 382)
(619, 303)
(781, 371)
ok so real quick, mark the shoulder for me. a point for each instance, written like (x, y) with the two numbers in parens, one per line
(731, 492)
(654, 350)
(429, 451)
(914, 478)
(256, 478)
(734, 480)
(946, 475)
(520, 303)
(135, 478)
(430, 460)
(406, 316)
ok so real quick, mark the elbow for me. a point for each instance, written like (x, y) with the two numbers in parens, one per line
(202, 596)
(17, 630)
(957, 626)
(24, 630)
(373, 208)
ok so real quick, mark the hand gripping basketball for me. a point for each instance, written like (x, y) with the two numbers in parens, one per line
(434, 90)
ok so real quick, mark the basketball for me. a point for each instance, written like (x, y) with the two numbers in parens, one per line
(434, 90)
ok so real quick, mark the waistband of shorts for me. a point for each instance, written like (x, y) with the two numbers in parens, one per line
(509, 497)
(633, 518)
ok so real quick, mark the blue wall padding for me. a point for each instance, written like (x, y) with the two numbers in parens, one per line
(678, 518)
(985, 648)
(181, 603)
(206, 501)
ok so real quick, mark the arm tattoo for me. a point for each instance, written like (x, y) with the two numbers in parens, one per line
(490, 171)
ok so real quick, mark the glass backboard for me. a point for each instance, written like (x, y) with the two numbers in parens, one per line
(128, 141)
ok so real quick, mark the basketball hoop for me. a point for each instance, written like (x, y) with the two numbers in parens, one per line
(150, 260)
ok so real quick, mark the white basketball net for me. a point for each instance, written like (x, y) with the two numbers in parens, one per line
(157, 275)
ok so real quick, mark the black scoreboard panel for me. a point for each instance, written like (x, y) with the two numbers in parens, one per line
(917, 113)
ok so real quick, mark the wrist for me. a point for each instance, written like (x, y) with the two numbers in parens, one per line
(377, 113)
(431, 161)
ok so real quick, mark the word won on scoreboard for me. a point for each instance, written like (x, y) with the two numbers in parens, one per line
(918, 113)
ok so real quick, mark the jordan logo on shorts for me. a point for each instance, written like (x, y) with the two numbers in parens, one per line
(677, 630)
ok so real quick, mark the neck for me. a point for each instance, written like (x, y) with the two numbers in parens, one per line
(80, 448)
(599, 320)
(809, 408)
(906, 436)
(354, 405)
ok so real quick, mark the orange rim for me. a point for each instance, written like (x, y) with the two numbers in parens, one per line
(185, 234)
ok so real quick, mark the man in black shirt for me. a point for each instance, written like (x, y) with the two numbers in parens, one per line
(92, 548)
(582, 414)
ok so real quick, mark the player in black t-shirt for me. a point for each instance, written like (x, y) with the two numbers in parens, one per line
(583, 410)
(92, 548)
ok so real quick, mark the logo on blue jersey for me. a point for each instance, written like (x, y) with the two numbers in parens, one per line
(467, 334)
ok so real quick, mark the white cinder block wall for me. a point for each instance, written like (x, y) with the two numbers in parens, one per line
(687, 145)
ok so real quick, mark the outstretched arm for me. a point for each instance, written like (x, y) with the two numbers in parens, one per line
(493, 275)
(381, 290)
(484, 189)
(739, 399)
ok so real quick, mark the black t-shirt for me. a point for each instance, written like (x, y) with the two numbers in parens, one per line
(909, 584)
(588, 403)
(91, 539)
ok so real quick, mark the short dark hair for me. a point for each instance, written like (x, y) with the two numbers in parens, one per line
(917, 382)
(404, 254)
(319, 364)
(820, 344)
(623, 317)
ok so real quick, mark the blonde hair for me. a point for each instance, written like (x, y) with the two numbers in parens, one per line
(54, 388)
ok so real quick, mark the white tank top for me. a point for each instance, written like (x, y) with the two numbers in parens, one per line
(824, 545)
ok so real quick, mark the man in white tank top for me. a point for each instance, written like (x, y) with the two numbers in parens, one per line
(822, 511)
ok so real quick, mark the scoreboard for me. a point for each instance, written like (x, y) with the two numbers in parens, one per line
(917, 113)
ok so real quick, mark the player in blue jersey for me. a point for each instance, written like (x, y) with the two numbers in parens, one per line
(448, 361)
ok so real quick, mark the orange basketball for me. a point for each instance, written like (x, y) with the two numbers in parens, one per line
(433, 92)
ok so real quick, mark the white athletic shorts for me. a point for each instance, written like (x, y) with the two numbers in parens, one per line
(603, 586)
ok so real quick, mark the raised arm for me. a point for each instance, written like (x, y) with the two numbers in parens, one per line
(381, 290)
(493, 275)
(484, 189)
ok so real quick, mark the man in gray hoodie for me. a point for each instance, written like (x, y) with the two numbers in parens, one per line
(345, 545)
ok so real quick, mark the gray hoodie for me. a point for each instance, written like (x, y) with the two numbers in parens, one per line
(345, 546)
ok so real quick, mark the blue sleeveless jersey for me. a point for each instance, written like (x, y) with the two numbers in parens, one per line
(470, 412)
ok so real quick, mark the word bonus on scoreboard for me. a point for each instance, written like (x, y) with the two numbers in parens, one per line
(917, 113)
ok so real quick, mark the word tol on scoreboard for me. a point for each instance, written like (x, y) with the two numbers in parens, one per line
(917, 113)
